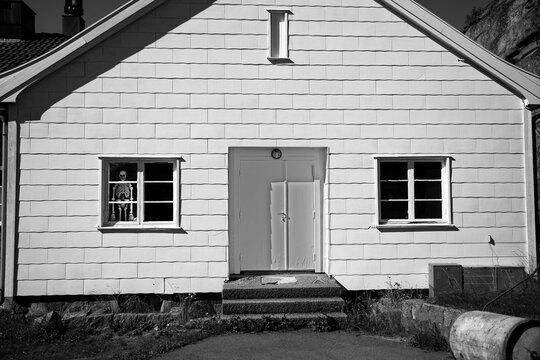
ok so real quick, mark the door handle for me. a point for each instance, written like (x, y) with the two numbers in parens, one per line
(284, 217)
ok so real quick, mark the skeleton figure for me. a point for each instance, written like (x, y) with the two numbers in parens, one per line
(122, 191)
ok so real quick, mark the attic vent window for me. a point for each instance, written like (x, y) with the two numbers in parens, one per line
(279, 35)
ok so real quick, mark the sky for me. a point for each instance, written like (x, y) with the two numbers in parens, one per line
(48, 18)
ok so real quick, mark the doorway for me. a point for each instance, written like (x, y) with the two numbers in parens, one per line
(275, 209)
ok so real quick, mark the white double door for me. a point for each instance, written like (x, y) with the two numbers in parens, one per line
(278, 209)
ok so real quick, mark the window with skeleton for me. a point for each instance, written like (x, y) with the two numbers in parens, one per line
(141, 191)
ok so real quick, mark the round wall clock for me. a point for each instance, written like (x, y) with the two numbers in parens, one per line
(276, 154)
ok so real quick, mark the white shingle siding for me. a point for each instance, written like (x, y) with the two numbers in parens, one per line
(363, 82)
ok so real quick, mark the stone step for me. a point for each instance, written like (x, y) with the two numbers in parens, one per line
(282, 305)
(307, 285)
(298, 319)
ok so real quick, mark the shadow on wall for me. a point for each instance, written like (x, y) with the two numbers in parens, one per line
(76, 77)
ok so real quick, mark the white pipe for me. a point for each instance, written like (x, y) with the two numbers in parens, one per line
(3, 119)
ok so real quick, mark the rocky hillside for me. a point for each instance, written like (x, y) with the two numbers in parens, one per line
(510, 29)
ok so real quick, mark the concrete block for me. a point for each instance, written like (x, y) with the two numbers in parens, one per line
(191, 269)
(137, 255)
(207, 285)
(114, 116)
(122, 85)
(175, 254)
(137, 100)
(101, 131)
(142, 286)
(155, 270)
(64, 287)
(83, 271)
(102, 100)
(46, 272)
(155, 239)
(208, 254)
(155, 146)
(65, 131)
(119, 271)
(127, 146)
(380, 251)
(101, 286)
(102, 255)
(361, 267)
(138, 131)
(31, 288)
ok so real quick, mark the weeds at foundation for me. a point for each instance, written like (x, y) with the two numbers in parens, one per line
(429, 340)
(522, 302)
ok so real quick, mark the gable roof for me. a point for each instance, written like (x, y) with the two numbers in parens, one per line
(520, 82)
(15, 52)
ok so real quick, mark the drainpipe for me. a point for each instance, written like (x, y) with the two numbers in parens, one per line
(3, 119)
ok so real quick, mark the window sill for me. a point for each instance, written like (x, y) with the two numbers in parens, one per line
(416, 226)
(279, 60)
(170, 229)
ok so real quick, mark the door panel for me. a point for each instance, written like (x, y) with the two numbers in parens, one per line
(254, 212)
(301, 225)
(278, 226)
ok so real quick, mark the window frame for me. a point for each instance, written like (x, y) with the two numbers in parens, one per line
(106, 224)
(282, 57)
(446, 208)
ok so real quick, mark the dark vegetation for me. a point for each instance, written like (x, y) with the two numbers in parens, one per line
(379, 313)
(524, 301)
(135, 334)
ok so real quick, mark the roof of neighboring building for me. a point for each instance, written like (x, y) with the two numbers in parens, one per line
(521, 83)
(15, 52)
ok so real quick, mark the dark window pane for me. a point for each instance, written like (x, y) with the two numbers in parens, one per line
(158, 192)
(427, 190)
(123, 191)
(158, 172)
(428, 209)
(394, 210)
(394, 190)
(158, 212)
(427, 170)
(122, 172)
(393, 170)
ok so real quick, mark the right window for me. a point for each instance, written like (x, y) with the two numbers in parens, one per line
(413, 190)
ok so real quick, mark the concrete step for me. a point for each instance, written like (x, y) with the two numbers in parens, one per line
(298, 319)
(307, 285)
(282, 305)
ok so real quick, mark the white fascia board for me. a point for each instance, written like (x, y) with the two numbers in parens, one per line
(15, 80)
(518, 81)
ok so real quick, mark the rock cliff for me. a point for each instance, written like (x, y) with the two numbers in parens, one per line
(510, 29)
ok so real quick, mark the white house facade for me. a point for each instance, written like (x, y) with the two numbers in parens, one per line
(176, 143)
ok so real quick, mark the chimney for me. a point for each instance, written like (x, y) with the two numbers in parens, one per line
(17, 20)
(72, 21)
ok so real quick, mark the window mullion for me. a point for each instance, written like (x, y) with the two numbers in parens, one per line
(140, 190)
(410, 173)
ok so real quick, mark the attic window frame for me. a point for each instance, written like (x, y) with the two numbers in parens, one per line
(283, 41)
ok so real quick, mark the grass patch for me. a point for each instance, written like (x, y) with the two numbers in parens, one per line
(138, 340)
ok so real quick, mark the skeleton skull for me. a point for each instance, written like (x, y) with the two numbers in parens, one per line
(122, 175)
